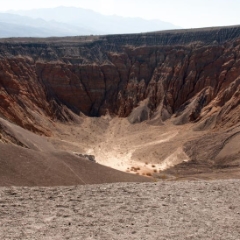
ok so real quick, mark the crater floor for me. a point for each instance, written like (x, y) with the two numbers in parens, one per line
(135, 148)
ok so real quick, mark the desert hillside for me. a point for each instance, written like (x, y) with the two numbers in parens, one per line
(148, 124)
(161, 104)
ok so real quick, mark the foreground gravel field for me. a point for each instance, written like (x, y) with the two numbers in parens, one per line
(163, 210)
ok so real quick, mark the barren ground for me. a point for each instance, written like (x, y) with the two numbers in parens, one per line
(45, 182)
(163, 151)
(163, 210)
(131, 148)
(146, 149)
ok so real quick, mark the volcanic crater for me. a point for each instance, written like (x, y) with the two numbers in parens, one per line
(148, 124)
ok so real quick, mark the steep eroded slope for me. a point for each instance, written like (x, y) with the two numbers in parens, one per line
(187, 76)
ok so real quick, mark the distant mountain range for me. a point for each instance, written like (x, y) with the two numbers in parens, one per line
(13, 25)
(70, 21)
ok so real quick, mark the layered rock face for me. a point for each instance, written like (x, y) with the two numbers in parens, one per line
(189, 75)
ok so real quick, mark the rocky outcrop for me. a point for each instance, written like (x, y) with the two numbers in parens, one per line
(190, 75)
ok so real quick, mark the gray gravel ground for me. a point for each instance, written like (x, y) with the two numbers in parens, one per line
(163, 210)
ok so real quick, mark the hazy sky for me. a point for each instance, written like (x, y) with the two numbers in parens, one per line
(185, 13)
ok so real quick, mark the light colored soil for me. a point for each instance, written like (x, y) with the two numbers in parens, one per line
(164, 210)
(161, 151)
(135, 148)
(150, 150)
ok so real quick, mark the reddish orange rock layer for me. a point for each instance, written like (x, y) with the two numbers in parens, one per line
(190, 82)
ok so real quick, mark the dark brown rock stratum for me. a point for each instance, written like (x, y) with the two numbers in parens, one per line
(192, 75)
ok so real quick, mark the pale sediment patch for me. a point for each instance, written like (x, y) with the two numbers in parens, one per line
(175, 158)
(118, 144)
(114, 156)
